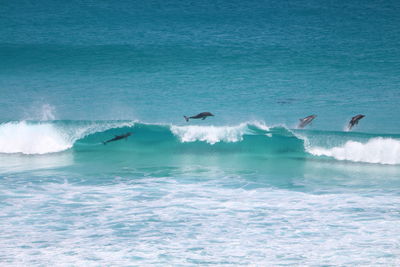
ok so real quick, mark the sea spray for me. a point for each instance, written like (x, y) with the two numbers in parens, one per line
(48, 112)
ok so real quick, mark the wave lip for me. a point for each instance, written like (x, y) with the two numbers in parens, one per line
(376, 150)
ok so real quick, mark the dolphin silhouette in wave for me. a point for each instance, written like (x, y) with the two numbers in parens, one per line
(118, 137)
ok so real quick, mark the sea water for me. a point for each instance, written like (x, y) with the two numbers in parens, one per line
(245, 187)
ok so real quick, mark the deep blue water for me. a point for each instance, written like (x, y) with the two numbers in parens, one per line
(245, 187)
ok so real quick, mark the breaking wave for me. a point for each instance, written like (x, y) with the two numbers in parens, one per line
(42, 137)
(215, 134)
(376, 150)
(32, 139)
(28, 137)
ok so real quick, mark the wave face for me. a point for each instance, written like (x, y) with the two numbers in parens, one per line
(29, 137)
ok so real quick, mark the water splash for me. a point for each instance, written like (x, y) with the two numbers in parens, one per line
(48, 112)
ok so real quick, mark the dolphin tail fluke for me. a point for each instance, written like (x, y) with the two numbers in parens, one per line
(186, 118)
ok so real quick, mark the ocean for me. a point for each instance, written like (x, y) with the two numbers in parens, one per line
(244, 187)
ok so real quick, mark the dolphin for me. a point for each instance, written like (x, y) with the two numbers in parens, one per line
(202, 116)
(305, 121)
(118, 137)
(355, 120)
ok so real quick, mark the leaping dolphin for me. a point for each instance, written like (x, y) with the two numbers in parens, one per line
(118, 137)
(202, 116)
(305, 121)
(355, 120)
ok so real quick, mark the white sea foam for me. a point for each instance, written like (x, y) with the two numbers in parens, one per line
(214, 134)
(376, 150)
(161, 222)
(26, 138)
(209, 134)
(45, 137)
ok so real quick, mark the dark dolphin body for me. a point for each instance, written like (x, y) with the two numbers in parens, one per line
(202, 116)
(305, 121)
(118, 137)
(355, 120)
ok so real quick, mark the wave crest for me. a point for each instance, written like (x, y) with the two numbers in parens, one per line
(210, 134)
(215, 134)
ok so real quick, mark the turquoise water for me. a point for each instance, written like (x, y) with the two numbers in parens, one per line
(245, 187)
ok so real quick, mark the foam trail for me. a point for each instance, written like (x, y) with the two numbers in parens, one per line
(376, 150)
